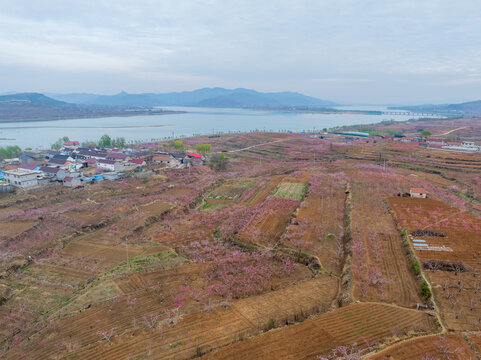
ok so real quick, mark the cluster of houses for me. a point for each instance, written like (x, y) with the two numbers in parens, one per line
(74, 165)
(435, 143)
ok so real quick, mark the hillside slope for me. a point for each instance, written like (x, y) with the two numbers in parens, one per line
(206, 97)
(35, 106)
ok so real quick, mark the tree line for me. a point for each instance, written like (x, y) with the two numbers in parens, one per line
(9, 152)
(105, 140)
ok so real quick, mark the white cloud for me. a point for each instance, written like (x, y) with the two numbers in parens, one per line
(324, 46)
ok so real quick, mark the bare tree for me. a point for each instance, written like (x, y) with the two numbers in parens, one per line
(458, 312)
(106, 334)
(453, 300)
(460, 285)
(473, 303)
(150, 321)
(339, 253)
(445, 348)
(477, 287)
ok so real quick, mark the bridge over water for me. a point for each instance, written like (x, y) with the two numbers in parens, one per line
(409, 113)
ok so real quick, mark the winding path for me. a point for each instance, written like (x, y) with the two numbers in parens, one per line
(252, 146)
(450, 131)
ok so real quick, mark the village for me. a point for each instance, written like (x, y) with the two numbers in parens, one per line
(74, 165)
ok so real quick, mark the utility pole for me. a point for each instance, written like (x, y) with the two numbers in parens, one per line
(127, 251)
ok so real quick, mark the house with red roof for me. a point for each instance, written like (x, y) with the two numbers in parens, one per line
(418, 193)
(195, 159)
(10, 167)
(406, 139)
(431, 141)
(137, 162)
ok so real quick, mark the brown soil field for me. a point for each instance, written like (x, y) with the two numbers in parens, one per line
(262, 193)
(322, 215)
(475, 340)
(450, 346)
(269, 223)
(381, 271)
(14, 228)
(241, 318)
(357, 323)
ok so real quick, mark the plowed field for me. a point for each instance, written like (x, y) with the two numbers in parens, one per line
(353, 324)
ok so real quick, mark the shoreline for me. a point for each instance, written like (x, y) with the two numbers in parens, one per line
(84, 127)
(96, 116)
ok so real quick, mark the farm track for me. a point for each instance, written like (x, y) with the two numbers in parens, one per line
(252, 146)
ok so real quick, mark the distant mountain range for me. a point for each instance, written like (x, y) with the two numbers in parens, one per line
(207, 97)
(35, 106)
(468, 108)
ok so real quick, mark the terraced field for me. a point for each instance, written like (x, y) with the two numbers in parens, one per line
(301, 248)
(358, 323)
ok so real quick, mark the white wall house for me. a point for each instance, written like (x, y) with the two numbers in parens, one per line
(418, 193)
(110, 165)
(21, 178)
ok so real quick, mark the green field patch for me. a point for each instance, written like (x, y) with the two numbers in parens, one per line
(291, 190)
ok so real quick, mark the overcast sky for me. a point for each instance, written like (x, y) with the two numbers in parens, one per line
(349, 51)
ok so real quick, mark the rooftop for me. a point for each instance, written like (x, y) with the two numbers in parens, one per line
(418, 190)
(48, 169)
(111, 162)
(20, 172)
(194, 155)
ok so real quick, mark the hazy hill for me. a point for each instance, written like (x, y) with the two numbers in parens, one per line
(35, 106)
(207, 97)
(472, 107)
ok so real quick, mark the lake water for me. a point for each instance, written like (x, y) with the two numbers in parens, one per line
(41, 134)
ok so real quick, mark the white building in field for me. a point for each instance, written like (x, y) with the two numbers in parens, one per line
(418, 193)
(466, 146)
(21, 178)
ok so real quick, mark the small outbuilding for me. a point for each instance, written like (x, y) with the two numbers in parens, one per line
(71, 181)
(418, 193)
